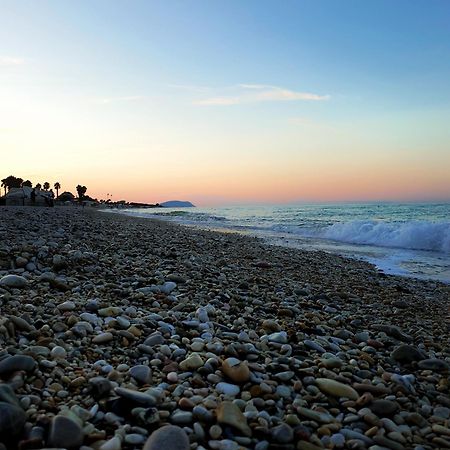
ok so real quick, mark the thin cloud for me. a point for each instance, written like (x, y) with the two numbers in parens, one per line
(7, 61)
(254, 93)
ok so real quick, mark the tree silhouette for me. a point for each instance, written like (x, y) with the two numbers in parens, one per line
(27, 183)
(57, 187)
(11, 182)
(38, 186)
(46, 186)
(81, 190)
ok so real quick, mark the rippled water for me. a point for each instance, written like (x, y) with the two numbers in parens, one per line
(409, 239)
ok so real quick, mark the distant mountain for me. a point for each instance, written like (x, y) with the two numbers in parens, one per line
(177, 204)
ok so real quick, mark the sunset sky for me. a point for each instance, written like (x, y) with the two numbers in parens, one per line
(225, 102)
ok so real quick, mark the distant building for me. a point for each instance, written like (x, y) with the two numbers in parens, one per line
(22, 197)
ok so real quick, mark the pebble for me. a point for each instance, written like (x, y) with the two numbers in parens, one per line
(384, 408)
(13, 281)
(12, 420)
(142, 374)
(283, 434)
(406, 354)
(437, 365)
(169, 437)
(227, 389)
(229, 414)
(115, 443)
(236, 370)
(139, 398)
(193, 362)
(336, 389)
(103, 338)
(279, 337)
(65, 432)
(17, 362)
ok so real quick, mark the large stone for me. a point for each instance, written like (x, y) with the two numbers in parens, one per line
(384, 408)
(407, 354)
(393, 331)
(227, 389)
(336, 389)
(168, 287)
(103, 338)
(283, 433)
(136, 397)
(13, 281)
(17, 362)
(7, 395)
(66, 432)
(193, 362)
(169, 437)
(21, 324)
(141, 373)
(437, 365)
(236, 370)
(12, 420)
(229, 414)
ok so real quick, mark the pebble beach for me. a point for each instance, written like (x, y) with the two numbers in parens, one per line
(125, 333)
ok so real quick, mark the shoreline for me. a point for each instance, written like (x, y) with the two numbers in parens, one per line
(385, 259)
(121, 324)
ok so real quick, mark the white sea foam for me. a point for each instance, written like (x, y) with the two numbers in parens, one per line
(417, 235)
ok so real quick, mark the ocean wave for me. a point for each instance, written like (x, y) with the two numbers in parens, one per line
(414, 235)
(188, 216)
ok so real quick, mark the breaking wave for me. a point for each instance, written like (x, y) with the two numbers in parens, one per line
(415, 235)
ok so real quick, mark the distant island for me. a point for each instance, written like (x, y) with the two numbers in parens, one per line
(177, 204)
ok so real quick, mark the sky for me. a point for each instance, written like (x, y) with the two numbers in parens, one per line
(228, 102)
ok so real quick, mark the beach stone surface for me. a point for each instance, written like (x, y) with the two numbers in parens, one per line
(133, 334)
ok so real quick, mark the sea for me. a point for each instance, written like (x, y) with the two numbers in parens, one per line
(410, 239)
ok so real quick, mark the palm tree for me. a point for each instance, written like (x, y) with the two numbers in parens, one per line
(38, 186)
(5, 184)
(57, 187)
(81, 190)
(46, 186)
(27, 183)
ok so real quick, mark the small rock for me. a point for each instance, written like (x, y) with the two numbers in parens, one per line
(194, 361)
(142, 374)
(280, 337)
(12, 420)
(17, 362)
(13, 281)
(227, 389)
(283, 434)
(66, 432)
(406, 354)
(169, 437)
(437, 365)
(384, 408)
(236, 370)
(103, 338)
(139, 398)
(336, 389)
(229, 414)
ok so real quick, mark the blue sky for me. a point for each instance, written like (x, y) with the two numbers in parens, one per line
(277, 81)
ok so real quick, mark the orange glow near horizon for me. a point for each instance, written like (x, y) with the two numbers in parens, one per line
(239, 185)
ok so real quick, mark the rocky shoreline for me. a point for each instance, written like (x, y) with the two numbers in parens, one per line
(127, 333)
